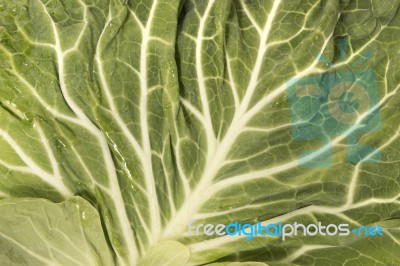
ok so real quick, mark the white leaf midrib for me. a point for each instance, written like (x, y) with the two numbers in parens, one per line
(147, 164)
(111, 171)
(239, 121)
(218, 152)
(202, 82)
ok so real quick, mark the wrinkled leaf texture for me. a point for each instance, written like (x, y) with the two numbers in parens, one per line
(121, 121)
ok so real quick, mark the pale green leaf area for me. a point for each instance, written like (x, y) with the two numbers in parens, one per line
(38, 232)
(166, 253)
(123, 120)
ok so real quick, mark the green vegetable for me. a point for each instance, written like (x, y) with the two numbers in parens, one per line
(122, 121)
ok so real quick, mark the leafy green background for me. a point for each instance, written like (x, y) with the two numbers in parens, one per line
(121, 121)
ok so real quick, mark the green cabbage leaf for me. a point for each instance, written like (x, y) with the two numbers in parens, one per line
(123, 121)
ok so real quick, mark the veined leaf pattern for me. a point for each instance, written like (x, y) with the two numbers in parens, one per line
(154, 113)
